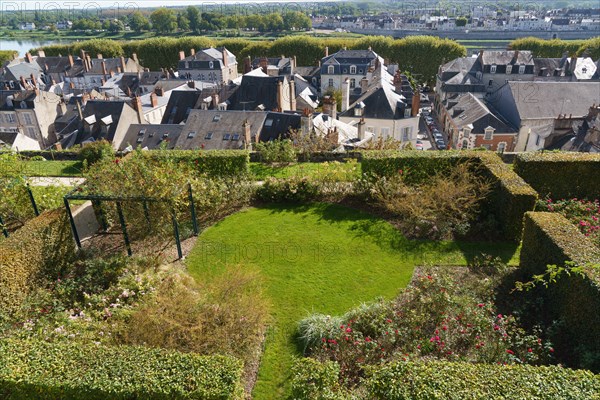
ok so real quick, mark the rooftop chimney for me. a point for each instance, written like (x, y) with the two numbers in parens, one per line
(88, 63)
(345, 94)
(154, 100)
(364, 85)
(306, 122)
(159, 91)
(294, 64)
(215, 100)
(123, 65)
(192, 52)
(137, 105)
(279, 96)
(181, 55)
(28, 57)
(225, 57)
(99, 56)
(135, 58)
(416, 102)
(104, 68)
(247, 65)
(71, 62)
(247, 135)
(361, 129)
(191, 84)
(292, 94)
(41, 53)
(326, 51)
(79, 110)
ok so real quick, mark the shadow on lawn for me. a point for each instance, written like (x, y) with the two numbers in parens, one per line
(385, 235)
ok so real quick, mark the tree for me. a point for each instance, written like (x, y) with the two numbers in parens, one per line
(296, 20)
(461, 21)
(113, 25)
(164, 20)
(183, 22)
(193, 16)
(138, 22)
(274, 22)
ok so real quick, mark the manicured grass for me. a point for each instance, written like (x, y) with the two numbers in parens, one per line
(260, 171)
(320, 258)
(53, 168)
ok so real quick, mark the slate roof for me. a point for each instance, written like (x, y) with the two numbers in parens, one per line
(343, 59)
(254, 91)
(218, 130)
(503, 57)
(96, 110)
(201, 59)
(380, 100)
(284, 64)
(152, 137)
(180, 101)
(540, 99)
(278, 125)
(469, 110)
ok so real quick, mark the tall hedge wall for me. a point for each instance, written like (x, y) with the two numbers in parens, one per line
(551, 239)
(561, 175)
(447, 380)
(511, 197)
(58, 371)
(213, 162)
(43, 241)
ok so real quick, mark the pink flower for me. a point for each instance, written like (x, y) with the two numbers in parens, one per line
(348, 330)
(480, 305)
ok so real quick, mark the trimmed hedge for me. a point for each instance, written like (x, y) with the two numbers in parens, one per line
(446, 380)
(213, 162)
(312, 379)
(511, 196)
(45, 241)
(551, 239)
(53, 371)
(561, 175)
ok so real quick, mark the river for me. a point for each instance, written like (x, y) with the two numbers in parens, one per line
(23, 46)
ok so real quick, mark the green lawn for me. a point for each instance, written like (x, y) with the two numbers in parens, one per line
(260, 171)
(320, 258)
(53, 168)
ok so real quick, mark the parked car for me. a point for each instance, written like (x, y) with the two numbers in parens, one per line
(440, 144)
(438, 136)
(429, 120)
(419, 145)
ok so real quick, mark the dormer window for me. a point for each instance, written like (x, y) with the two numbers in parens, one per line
(466, 132)
(331, 70)
(191, 135)
(217, 118)
(23, 104)
(488, 133)
(509, 69)
(352, 83)
(353, 69)
(521, 69)
(492, 69)
(211, 65)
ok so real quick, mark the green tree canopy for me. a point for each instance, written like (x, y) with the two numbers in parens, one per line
(138, 22)
(163, 20)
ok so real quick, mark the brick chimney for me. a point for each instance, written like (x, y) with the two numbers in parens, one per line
(79, 110)
(191, 84)
(192, 52)
(123, 65)
(293, 65)
(28, 57)
(345, 94)
(326, 51)
(135, 58)
(364, 85)
(23, 82)
(330, 106)
(215, 100)
(159, 91)
(33, 81)
(41, 53)
(137, 105)
(181, 55)
(361, 129)
(71, 62)
(225, 58)
(154, 100)
(264, 64)
(99, 56)
(292, 85)
(104, 68)
(306, 122)
(118, 69)
(416, 102)
(88, 61)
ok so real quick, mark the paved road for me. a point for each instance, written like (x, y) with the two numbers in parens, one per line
(55, 181)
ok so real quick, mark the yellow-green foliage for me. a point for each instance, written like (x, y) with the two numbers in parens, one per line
(43, 241)
(58, 371)
(556, 47)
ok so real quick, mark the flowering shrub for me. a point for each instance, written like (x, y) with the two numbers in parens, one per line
(292, 190)
(584, 213)
(437, 317)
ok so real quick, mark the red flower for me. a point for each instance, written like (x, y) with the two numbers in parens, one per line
(480, 305)
(509, 351)
(529, 350)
